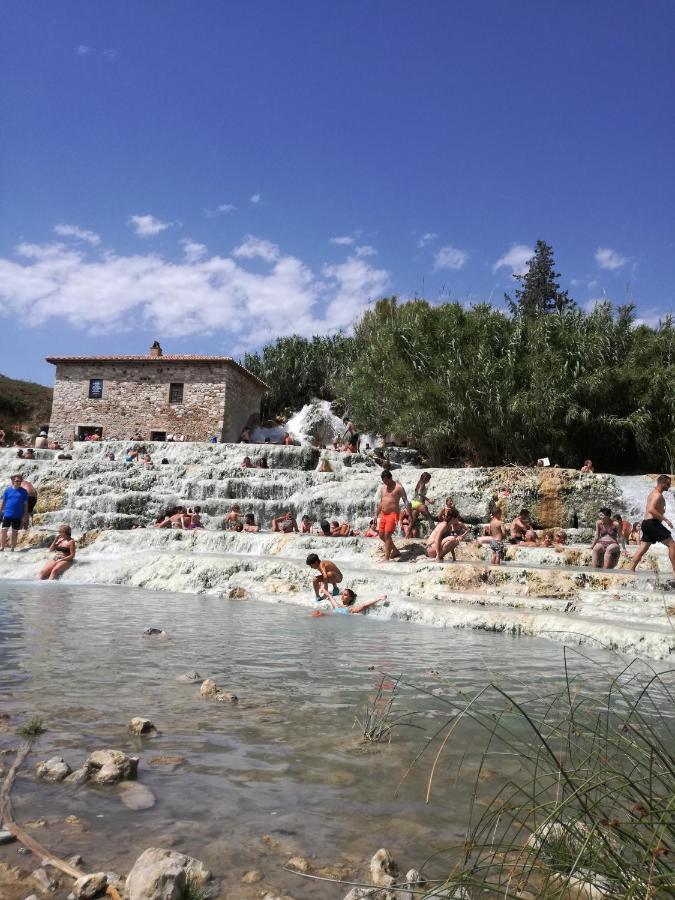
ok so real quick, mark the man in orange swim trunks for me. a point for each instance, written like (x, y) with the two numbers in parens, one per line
(392, 494)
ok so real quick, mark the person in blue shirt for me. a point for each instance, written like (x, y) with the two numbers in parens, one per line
(13, 510)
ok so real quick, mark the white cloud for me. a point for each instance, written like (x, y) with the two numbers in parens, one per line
(343, 241)
(193, 251)
(110, 54)
(607, 258)
(253, 247)
(365, 250)
(83, 50)
(220, 210)
(450, 258)
(355, 284)
(427, 238)
(200, 295)
(517, 259)
(256, 198)
(80, 234)
(148, 226)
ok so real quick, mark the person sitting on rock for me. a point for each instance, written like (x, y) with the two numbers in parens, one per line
(547, 538)
(285, 523)
(249, 523)
(147, 461)
(405, 524)
(371, 530)
(449, 504)
(521, 527)
(63, 548)
(337, 530)
(329, 574)
(232, 518)
(261, 463)
(634, 537)
(324, 528)
(561, 537)
(19, 454)
(605, 546)
(624, 527)
(246, 463)
(346, 604)
(288, 440)
(196, 518)
(29, 453)
(324, 466)
(305, 525)
(587, 466)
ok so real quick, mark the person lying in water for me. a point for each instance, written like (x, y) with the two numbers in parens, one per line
(346, 604)
(63, 548)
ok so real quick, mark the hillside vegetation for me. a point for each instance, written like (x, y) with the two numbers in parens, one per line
(24, 406)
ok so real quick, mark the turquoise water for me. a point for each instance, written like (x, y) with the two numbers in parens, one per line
(281, 774)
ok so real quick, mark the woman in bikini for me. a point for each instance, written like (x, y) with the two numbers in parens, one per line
(605, 544)
(63, 548)
(419, 504)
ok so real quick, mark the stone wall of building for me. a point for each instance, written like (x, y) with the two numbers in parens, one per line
(242, 405)
(217, 399)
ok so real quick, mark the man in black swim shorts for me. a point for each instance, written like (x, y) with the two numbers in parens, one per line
(654, 529)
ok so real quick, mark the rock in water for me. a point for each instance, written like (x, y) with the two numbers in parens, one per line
(136, 796)
(190, 678)
(157, 633)
(111, 766)
(89, 886)
(138, 725)
(164, 875)
(211, 691)
(383, 869)
(55, 770)
(6, 837)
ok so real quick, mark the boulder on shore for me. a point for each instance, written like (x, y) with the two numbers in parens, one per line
(139, 725)
(110, 766)
(164, 875)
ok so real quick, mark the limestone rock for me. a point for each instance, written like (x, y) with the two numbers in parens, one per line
(251, 877)
(6, 837)
(171, 761)
(383, 869)
(54, 770)
(139, 725)
(164, 875)
(79, 776)
(136, 796)
(75, 861)
(238, 593)
(209, 688)
(44, 881)
(156, 633)
(111, 766)
(190, 678)
(211, 691)
(299, 863)
(89, 886)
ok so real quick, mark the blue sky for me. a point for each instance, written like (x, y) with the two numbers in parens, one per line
(213, 174)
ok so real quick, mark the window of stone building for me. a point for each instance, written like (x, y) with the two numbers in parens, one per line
(95, 388)
(176, 392)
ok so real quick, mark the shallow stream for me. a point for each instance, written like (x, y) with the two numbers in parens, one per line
(283, 773)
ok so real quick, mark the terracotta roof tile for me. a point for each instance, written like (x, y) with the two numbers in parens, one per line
(166, 357)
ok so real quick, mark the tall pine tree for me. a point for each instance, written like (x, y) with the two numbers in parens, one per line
(539, 292)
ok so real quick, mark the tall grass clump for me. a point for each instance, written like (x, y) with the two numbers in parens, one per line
(588, 809)
(380, 717)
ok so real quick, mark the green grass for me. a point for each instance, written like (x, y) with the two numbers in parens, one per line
(380, 718)
(31, 729)
(194, 891)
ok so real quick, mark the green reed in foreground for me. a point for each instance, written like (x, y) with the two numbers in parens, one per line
(592, 803)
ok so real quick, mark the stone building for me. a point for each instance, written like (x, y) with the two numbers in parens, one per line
(120, 397)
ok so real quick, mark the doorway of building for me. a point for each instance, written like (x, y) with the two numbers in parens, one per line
(89, 432)
(158, 435)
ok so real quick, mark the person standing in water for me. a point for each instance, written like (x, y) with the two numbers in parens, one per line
(392, 494)
(653, 529)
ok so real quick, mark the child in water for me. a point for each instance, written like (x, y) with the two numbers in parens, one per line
(346, 604)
